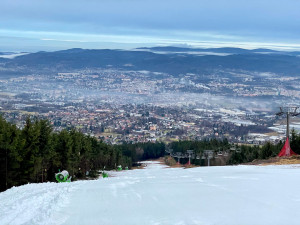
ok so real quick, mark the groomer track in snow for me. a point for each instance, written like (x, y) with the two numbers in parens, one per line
(231, 195)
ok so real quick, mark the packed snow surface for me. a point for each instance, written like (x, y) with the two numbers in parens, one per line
(231, 195)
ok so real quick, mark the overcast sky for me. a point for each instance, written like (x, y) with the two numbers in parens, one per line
(32, 25)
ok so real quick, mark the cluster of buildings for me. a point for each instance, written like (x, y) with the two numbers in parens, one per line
(140, 106)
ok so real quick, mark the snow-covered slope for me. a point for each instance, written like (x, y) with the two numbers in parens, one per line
(233, 195)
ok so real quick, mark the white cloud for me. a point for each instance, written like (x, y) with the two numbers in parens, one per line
(176, 37)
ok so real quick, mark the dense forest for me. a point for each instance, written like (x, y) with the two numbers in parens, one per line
(142, 151)
(198, 147)
(35, 153)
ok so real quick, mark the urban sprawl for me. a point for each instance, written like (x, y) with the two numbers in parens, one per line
(141, 106)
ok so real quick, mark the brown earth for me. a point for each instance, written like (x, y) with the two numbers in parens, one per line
(161, 160)
(261, 162)
(295, 159)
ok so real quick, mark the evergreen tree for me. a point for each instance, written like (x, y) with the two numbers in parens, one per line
(30, 153)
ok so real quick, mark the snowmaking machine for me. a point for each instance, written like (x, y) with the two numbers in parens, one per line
(119, 168)
(104, 173)
(62, 176)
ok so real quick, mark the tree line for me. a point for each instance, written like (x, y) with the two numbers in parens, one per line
(198, 146)
(35, 153)
(242, 153)
(142, 151)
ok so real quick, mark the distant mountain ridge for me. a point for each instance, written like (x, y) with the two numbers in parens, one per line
(215, 50)
(286, 63)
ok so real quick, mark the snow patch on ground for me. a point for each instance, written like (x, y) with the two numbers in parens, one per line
(231, 195)
(34, 203)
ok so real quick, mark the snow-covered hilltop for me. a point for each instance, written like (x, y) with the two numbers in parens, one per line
(231, 195)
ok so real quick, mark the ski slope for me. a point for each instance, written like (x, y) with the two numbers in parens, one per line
(231, 195)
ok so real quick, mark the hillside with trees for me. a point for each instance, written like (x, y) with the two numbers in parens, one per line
(35, 153)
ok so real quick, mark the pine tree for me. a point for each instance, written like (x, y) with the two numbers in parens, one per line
(29, 153)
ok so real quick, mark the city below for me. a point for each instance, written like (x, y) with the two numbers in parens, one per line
(120, 105)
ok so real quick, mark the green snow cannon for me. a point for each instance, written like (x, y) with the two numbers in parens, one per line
(104, 174)
(62, 176)
(119, 168)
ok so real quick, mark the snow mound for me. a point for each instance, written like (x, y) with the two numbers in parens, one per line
(34, 203)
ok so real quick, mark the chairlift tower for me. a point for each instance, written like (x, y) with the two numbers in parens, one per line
(190, 152)
(288, 111)
(177, 155)
(208, 154)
